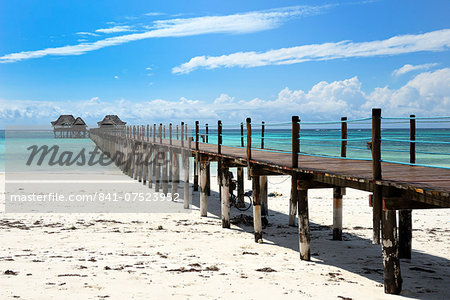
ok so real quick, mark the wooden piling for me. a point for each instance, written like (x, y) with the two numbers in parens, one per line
(391, 262)
(150, 167)
(405, 215)
(376, 173)
(203, 192)
(196, 171)
(164, 175)
(303, 225)
(175, 173)
(186, 156)
(337, 214)
(294, 163)
(264, 198)
(338, 192)
(225, 195)
(157, 162)
(257, 221)
(240, 185)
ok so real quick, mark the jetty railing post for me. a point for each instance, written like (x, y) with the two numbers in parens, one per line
(208, 167)
(242, 134)
(196, 135)
(177, 132)
(294, 164)
(160, 133)
(170, 133)
(263, 182)
(377, 197)
(339, 192)
(154, 133)
(249, 139)
(405, 215)
(391, 262)
(219, 137)
(148, 132)
(262, 135)
(182, 134)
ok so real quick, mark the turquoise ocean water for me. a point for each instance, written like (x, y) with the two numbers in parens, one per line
(433, 147)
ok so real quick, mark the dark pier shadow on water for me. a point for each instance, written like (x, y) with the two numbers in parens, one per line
(424, 276)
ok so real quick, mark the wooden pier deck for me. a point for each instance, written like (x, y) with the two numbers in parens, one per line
(394, 186)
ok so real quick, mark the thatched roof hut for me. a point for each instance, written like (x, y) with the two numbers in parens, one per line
(111, 121)
(64, 121)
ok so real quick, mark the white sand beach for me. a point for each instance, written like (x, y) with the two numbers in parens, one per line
(184, 256)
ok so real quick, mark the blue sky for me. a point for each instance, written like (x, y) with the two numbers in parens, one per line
(153, 61)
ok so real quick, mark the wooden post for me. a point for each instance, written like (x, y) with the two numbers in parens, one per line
(203, 192)
(405, 215)
(196, 169)
(262, 135)
(170, 133)
(294, 163)
(160, 133)
(175, 172)
(249, 139)
(264, 202)
(150, 167)
(206, 132)
(240, 185)
(148, 132)
(177, 133)
(377, 197)
(225, 195)
(164, 131)
(257, 221)
(242, 134)
(391, 263)
(164, 175)
(154, 133)
(196, 135)
(219, 136)
(337, 214)
(187, 155)
(182, 134)
(338, 192)
(303, 225)
(157, 170)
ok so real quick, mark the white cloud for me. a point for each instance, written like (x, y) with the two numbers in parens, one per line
(427, 94)
(87, 33)
(153, 14)
(179, 27)
(116, 77)
(115, 29)
(409, 68)
(432, 41)
(148, 69)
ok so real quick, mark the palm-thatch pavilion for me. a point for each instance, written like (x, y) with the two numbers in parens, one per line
(66, 126)
(111, 121)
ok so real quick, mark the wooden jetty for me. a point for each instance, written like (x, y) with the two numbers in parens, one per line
(153, 157)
